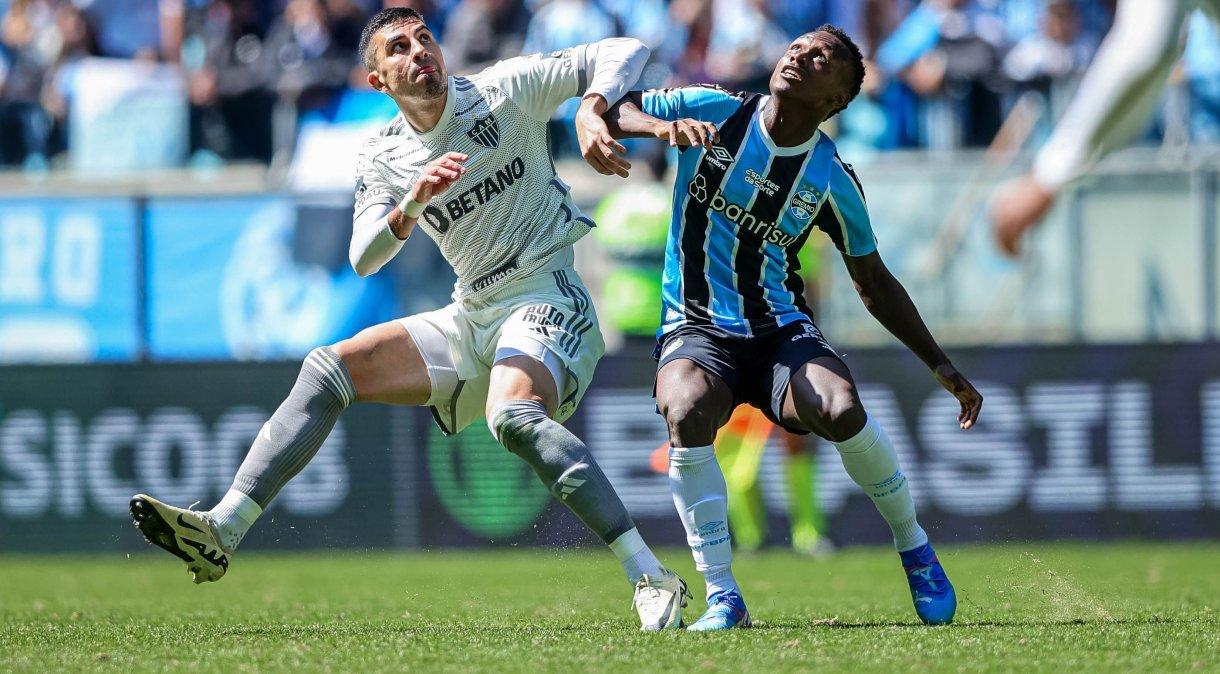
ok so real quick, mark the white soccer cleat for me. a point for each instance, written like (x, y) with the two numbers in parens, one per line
(186, 534)
(659, 601)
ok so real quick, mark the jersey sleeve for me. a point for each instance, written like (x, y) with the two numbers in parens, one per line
(540, 82)
(844, 216)
(371, 185)
(379, 183)
(706, 103)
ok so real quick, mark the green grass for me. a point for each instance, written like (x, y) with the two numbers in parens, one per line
(1149, 607)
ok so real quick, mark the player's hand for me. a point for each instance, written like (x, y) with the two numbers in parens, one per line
(687, 133)
(597, 146)
(1018, 205)
(963, 390)
(439, 175)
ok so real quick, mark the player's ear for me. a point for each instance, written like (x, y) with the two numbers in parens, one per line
(842, 99)
(375, 82)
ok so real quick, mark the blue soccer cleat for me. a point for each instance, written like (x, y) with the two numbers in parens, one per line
(725, 610)
(935, 600)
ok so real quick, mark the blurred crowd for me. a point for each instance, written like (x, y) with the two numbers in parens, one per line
(942, 74)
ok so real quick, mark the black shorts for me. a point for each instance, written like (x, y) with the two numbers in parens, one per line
(756, 369)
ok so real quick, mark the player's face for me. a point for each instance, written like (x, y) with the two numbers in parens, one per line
(815, 69)
(409, 61)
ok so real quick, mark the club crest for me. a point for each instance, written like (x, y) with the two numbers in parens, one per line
(485, 132)
(804, 204)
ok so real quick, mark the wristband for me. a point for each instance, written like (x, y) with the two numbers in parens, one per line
(411, 208)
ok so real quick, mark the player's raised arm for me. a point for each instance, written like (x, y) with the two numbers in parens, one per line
(1109, 108)
(380, 227)
(614, 66)
(627, 119)
(599, 72)
(845, 219)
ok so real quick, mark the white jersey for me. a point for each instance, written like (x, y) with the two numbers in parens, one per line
(510, 215)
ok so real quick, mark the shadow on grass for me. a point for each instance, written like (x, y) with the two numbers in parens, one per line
(433, 627)
(963, 624)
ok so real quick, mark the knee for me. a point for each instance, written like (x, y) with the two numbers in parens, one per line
(690, 418)
(324, 373)
(836, 414)
(514, 423)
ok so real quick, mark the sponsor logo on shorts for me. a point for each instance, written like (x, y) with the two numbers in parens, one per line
(543, 314)
(673, 346)
(811, 332)
(499, 274)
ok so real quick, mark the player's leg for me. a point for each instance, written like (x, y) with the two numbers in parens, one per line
(380, 364)
(695, 403)
(821, 397)
(522, 397)
(544, 357)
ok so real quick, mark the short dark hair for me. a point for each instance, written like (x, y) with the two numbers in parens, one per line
(856, 57)
(385, 17)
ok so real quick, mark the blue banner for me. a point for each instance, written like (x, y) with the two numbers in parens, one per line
(68, 283)
(225, 281)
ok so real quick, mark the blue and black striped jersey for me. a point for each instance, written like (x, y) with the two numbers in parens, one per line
(741, 211)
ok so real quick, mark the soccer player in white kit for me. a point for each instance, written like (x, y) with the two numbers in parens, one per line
(467, 160)
(1110, 106)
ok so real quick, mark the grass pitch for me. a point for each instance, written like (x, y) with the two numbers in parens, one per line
(1149, 607)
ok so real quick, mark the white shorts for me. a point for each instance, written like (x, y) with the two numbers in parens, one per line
(547, 316)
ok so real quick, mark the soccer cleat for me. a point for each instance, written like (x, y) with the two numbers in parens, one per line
(659, 601)
(186, 534)
(935, 600)
(725, 611)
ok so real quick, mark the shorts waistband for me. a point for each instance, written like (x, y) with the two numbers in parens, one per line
(541, 280)
(540, 277)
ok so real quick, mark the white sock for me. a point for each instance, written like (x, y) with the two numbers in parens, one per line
(701, 498)
(233, 517)
(871, 462)
(633, 553)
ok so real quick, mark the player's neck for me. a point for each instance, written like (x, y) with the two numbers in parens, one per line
(423, 114)
(790, 124)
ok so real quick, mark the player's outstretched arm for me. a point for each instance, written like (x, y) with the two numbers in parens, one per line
(1110, 106)
(889, 303)
(379, 230)
(627, 119)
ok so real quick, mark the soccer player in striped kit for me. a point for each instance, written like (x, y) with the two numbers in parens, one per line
(467, 160)
(758, 180)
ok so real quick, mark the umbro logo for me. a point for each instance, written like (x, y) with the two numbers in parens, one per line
(709, 528)
(719, 157)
